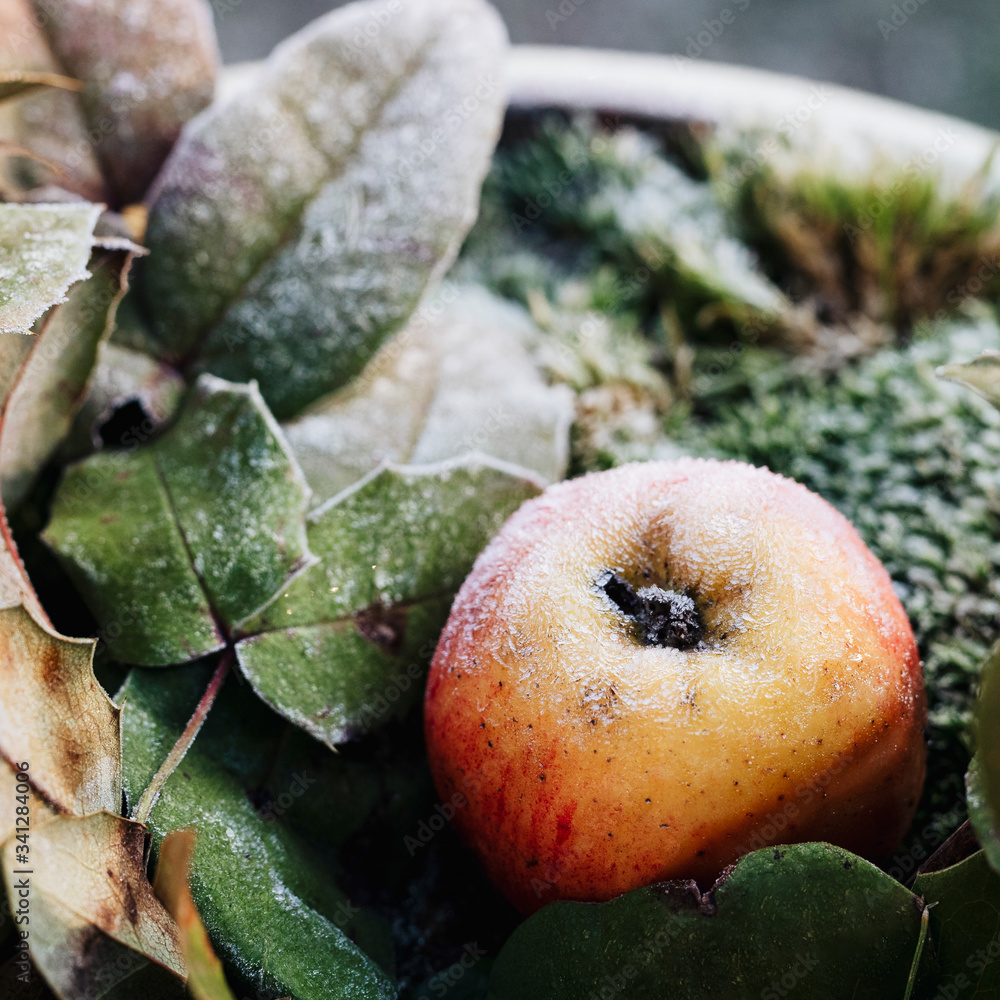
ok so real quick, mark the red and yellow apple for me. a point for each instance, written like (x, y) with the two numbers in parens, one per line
(654, 670)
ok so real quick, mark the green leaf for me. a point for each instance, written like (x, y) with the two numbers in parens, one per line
(983, 779)
(53, 381)
(149, 66)
(459, 378)
(272, 911)
(177, 543)
(809, 920)
(297, 225)
(964, 902)
(982, 814)
(43, 250)
(982, 375)
(346, 645)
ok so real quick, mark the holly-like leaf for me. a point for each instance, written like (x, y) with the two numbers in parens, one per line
(206, 980)
(964, 903)
(296, 226)
(94, 922)
(43, 250)
(177, 543)
(54, 715)
(89, 897)
(458, 378)
(983, 779)
(53, 379)
(272, 910)
(346, 645)
(811, 918)
(982, 375)
(148, 65)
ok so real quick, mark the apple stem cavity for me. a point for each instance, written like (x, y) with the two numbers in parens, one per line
(665, 617)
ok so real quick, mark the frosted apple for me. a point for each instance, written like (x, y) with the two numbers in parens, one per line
(654, 670)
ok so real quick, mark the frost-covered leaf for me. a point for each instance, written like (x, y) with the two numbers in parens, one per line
(982, 375)
(983, 780)
(206, 980)
(43, 250)
(675, 222)
(53, 381)
(176, 543)
(964, 902)
(345, 646)
(810, 917)
(296, 226)
(271, 907)
(458, 378)
(124, 376)
(148, 66)
(50, 121)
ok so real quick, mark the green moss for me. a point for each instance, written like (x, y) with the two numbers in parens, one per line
(914, 463)
(891, 247)
(609, 206)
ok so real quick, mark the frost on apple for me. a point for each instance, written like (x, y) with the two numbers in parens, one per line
(689, 641)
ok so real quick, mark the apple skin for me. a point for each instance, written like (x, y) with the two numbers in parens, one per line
(582, 763)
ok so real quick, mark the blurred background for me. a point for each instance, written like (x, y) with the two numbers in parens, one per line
(941, 54)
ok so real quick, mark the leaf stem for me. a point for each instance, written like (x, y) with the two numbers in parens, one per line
(915, 966)
(183, 744)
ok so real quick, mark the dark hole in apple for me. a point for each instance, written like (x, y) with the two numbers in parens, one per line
(665, 617)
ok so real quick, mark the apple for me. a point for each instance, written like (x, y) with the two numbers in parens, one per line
(654, 670)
